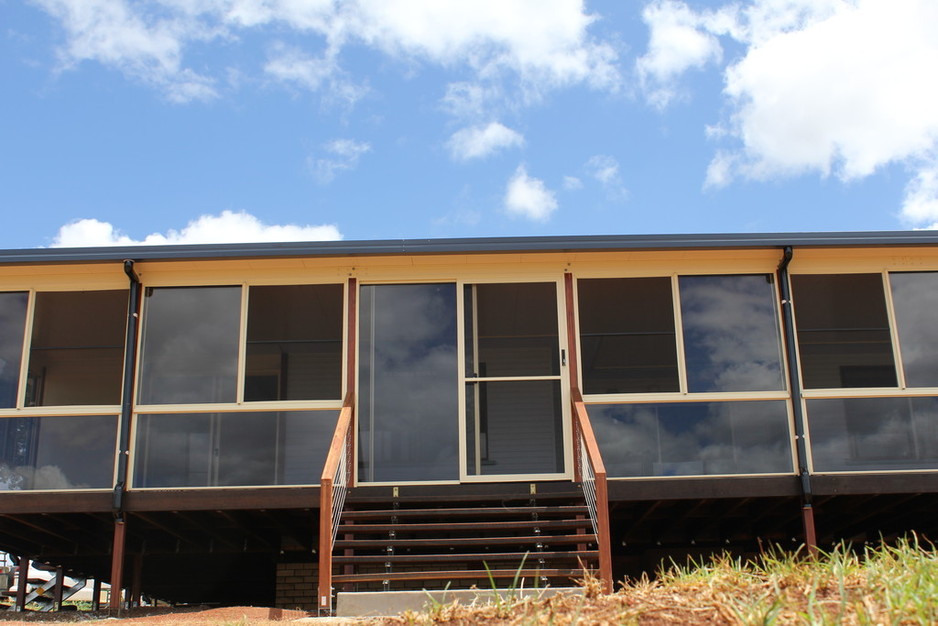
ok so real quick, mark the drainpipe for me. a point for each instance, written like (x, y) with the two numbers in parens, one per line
(123, 452)
(127, 400)
(794, 384)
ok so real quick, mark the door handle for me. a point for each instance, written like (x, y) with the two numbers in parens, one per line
(563, 358)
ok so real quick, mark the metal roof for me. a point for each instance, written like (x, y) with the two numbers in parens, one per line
(479, 245)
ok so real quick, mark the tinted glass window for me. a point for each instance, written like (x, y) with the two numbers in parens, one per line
(696, 438)
(731, 333)
(843, 331)
(77, 351)
(12, 329)
(915, 301)
(869, 434)
(627, 340)
(190, 345)
(408, 381)
(513, 330)
(294, 343)
(73, 452)
(232, 449)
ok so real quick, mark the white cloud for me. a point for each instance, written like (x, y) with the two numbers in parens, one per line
(605, 170)
(803, 104)
(720, 170)
(543, 44)
(226, 227)
(528, 197)
(144, 45)
(571, 183)
(920, 206)
(832, 87)
(343, 155)
(677, 42)
(481, 141)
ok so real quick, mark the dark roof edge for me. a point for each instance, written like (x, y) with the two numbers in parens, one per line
(465, 246)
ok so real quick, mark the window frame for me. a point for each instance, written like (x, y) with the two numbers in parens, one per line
(736, 263)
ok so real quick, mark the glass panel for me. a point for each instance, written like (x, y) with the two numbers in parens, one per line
(408, 404)
(77, 350)
(843, 331)
(856, 434)
(294, 343)
(915, 300)
(232, 449)
(519, 426)
(12, 330)
(73, 452)
(190, 345)
(731, 333)
(627, 339)
(693, 439)
(514, 331)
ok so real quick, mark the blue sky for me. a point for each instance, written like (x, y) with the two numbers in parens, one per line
(183, 121)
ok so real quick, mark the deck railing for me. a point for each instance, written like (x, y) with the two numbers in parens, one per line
(592, 475)
(333, 485)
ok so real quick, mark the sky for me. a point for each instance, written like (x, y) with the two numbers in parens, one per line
(203, 121)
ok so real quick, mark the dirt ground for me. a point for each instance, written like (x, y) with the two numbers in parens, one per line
(158, 616)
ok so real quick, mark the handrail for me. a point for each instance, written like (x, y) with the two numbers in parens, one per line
(333, 486)
(593, 480)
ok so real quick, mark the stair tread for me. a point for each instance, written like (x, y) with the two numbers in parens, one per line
(467, 556)
(428, 526)
(455, 574)
(464, 511)
(467, 541)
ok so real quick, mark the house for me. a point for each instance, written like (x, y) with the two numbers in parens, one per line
(270, 423)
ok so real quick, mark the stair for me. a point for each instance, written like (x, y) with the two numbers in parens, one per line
(42, 592)
(529, 543)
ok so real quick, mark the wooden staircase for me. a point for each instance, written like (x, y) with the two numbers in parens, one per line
(529, 543)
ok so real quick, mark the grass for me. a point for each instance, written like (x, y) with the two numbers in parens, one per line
(894, 584)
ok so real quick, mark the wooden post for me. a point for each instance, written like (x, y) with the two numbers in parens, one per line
(572, 368)
(351, 370)
(324, 601)
(137, 581)
(810, 535)
(22, 576)
(117, 565)
(59, 589)
(96, 595)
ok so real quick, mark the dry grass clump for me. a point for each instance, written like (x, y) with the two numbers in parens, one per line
(888, 584)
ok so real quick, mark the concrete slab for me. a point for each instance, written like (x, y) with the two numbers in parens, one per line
(383, 603)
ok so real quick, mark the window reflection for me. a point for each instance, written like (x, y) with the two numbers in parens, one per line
(73, 452)
(915, 300)
(843, 331)
(294, 343)
(408, 383)
(12, 329)
(232, 449)
(731, 333)
(77, 351)
(627, 339)
(689, 439)
(857, 434)
(190, 345)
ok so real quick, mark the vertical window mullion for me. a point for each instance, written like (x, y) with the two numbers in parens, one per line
(893, 331)
(679, 335)
(242, 344)
(27, 345)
